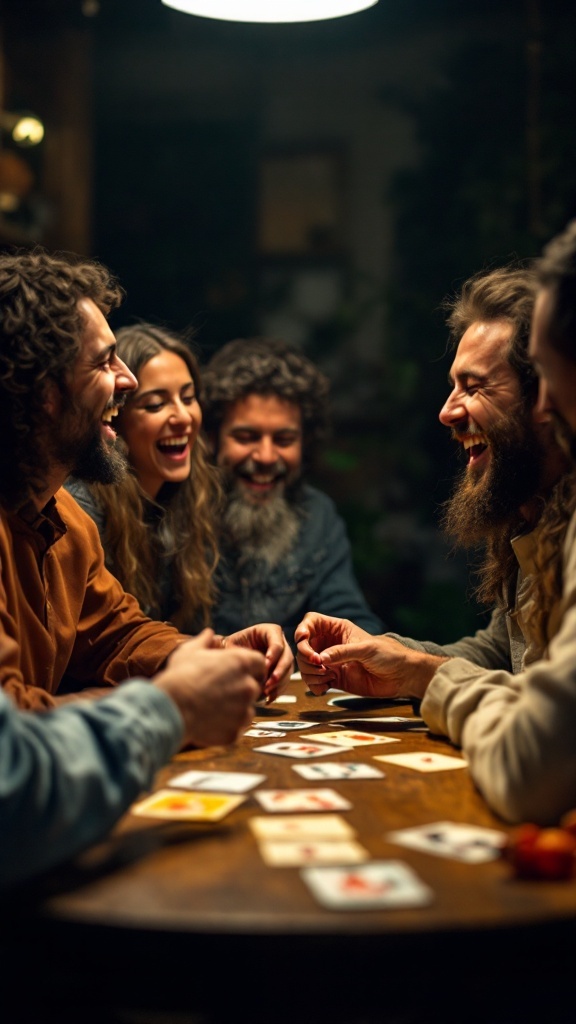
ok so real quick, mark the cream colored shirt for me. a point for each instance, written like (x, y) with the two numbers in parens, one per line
(518, 732)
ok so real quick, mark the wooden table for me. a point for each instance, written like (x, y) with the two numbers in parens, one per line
(159, 908)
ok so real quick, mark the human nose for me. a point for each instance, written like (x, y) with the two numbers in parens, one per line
(124, 378)
(264, 450)
(181, 412)
(453, 409)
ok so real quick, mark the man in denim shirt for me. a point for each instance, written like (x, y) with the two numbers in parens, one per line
(284, 547)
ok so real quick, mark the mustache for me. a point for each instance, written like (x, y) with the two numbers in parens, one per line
(251, 466)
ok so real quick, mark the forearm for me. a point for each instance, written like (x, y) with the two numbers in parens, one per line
(517, 733)
(67, 776)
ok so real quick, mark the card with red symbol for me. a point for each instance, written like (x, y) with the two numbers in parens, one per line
(377, 885)
(294, 749)
(423, 761)
(293, 854)
(351, 738)
(288, 800)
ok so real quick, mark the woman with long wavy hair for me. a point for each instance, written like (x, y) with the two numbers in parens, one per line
(156, 526)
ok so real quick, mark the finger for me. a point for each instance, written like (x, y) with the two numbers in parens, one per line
(316, 686)
(341, 653)
(306, 651)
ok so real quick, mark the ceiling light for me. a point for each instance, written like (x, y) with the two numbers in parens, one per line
(270, 10)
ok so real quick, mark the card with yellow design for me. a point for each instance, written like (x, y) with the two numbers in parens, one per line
(187, 806)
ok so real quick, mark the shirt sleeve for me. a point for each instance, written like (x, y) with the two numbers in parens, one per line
(489, 647)
(518, 732)
(66, 776)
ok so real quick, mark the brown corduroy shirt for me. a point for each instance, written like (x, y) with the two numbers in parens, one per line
(65, 621)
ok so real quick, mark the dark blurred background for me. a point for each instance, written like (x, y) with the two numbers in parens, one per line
(328, 183)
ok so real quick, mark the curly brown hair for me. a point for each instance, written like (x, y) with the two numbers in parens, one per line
(505, 293)
(267, 366)
(40, 331)
(189, 508)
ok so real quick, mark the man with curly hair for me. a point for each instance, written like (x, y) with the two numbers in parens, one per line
(507, 696)
(65, 622)
(284, 548)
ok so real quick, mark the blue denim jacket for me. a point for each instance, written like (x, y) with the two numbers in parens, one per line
(317, 575)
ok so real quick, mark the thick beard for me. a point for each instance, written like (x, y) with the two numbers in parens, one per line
(482, 504)
(267, 531)
(88, 456)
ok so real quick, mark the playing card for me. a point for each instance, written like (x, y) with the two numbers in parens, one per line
(470, 843)
(286, 698)
(312, 851)
(302, 800)
(187, 806)
(288, 749)
(390, 723)
(301, 826)
(350, 738)
(423, 761)
(264, 732)
(356, 702)
(336, 770)
(372, 886)
(286, 725)
(222, 782)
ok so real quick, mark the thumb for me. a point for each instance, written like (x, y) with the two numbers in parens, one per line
(341, 653)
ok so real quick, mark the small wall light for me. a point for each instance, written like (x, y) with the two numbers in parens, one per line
(25, 129)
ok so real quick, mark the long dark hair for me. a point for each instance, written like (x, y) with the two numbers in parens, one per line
(190, 509)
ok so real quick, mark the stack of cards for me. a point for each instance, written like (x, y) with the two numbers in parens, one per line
(210, 799)
(293, 840)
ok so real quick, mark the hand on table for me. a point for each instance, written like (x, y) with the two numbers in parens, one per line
(335, 653)
(214, 689)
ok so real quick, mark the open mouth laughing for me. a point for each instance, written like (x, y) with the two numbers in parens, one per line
(173, 447)
(475, 445)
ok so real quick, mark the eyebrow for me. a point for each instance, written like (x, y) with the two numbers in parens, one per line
(105, 353)
(161, 391)
(463, 375)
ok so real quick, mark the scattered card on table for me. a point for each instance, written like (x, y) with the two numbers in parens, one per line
(337, 770)
(287, 725)
(285, 698)
(390, 723)
(350, 738)
(301, 826)
(471, 843)
(264, 732)
(423, 761)
(185, 806)
(373, 886)
(288, 749)
(302, 800)
(221, 782)
(313, 851)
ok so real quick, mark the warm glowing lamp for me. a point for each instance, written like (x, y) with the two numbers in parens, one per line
(270, 10)
(25, 129)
